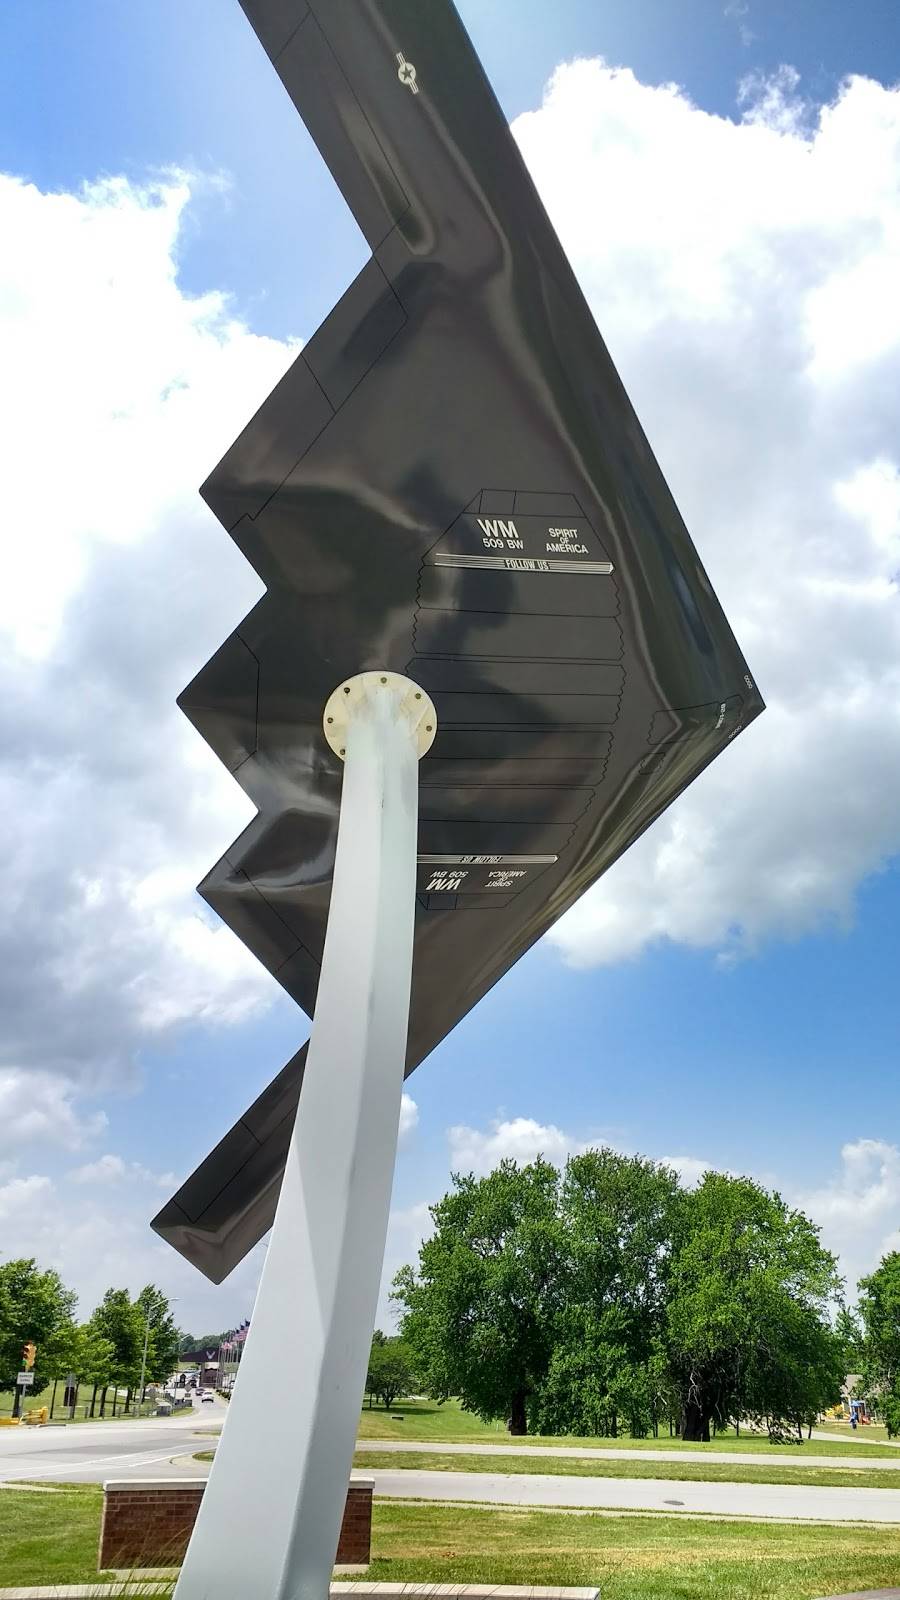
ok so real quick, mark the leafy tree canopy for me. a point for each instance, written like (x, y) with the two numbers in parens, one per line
(391, 1370)
(35, 1307)
(480, 1311)
(747, 1328)
(569, 1302)
(879, 1345)
(120, 1321)
(879, 1309)
(187, 1342)
(164, 1338)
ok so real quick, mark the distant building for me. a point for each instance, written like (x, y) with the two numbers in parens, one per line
(216, 1368)
(207, 1365)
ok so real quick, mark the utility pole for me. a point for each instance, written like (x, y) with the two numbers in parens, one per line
(144, 1361)
(144, 1356)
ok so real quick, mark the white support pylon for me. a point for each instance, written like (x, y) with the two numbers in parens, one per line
(271, 1513)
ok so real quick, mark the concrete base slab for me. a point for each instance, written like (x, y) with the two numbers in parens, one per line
(457, 1591)
(360, 1591)
(87, 1591)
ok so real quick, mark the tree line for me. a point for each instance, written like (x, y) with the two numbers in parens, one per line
(611, 1296)
(604, 1297)
(876, 1341)
(106, 1351)
(206, 1341)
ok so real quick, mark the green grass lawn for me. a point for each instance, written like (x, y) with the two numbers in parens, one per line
(52, 1539)
(429, 1421)
(873, 1432)
(630, 1557)
(708, 1471)
(82, 1404)
(426, 1421)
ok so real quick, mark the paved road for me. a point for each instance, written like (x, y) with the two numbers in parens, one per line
(92, 1451)
(756, 1500)
(586, 1453)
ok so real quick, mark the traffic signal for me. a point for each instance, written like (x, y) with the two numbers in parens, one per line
(29, 1351)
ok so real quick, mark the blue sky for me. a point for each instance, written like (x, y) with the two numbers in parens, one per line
(751, 1024)
(754, 1067)
(94, 87)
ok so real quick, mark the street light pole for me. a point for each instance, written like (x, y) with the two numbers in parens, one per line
(144, 1356)
(144, 1361)
(287, 1467)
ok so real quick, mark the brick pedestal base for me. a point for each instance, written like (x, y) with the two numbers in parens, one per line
(147, 1522)
(355, 1542)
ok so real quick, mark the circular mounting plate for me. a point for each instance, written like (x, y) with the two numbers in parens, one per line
(410, 702)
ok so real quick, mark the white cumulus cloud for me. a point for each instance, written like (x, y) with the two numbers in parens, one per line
(39, 1107)
(744, 274)
(409, 1115)
(21, 1197)
(95, 1244)
(106, 1169)
(858, 1208)
(119, 394)
(112, 1169)
(522, 1139)
(519, 1139)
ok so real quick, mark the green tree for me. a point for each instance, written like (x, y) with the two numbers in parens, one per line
(582, 1391)
(479, 1312)
(120, 1321)
(747, 1324)
(613, 1295)
(391, 1369)
(879, 1309)
(207, 1341)
(888, 1403)
(848, 1329)
(83, 1351)
(93, 1355)
(797, 1373)
(163, 1339)
(616, 1217)
(65, 1352)
(36, 1307)
(378, 1338)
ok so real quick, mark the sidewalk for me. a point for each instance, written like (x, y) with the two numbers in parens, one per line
(589, 1453)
